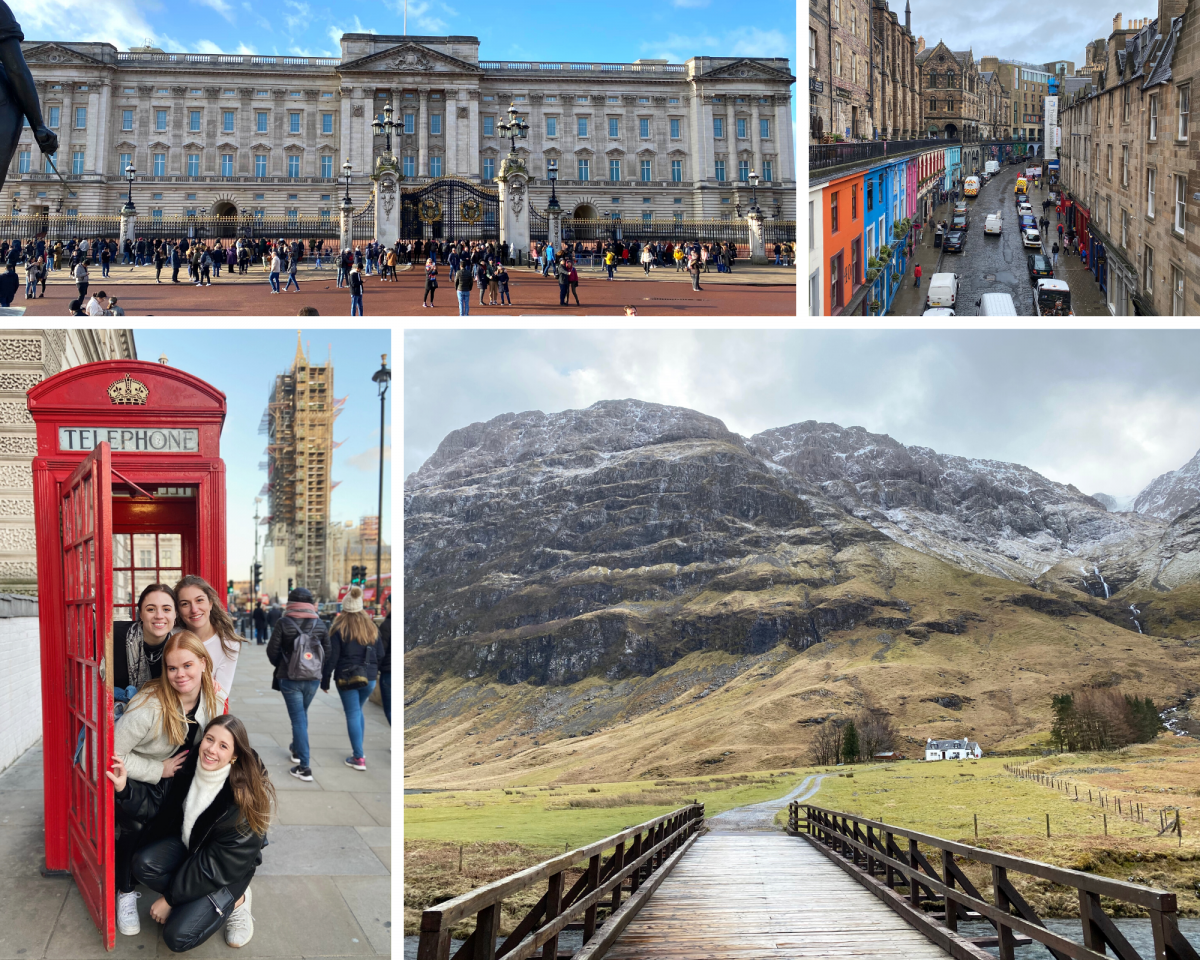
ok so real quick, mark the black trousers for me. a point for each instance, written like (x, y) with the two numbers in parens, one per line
(189, 924)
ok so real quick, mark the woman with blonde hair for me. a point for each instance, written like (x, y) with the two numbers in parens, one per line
(153, 739)
(353, 663)
(202, 612)
(204, 837)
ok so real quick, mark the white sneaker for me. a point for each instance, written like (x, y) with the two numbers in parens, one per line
(127, 914)
(240, 926)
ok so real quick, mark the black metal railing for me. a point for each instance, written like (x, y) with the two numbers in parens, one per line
(823, 155)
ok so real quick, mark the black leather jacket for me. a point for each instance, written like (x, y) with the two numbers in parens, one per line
(222, 850)
(283, 636)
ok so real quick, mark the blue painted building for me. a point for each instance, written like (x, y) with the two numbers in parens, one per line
(953, 167)
(886, 203)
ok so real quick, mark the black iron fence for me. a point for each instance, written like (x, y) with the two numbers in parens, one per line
(674, 231)
(779, 231)
(57, 226)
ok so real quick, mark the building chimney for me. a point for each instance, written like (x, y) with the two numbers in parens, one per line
(907, 17)
(1116, 23)
(920, 44)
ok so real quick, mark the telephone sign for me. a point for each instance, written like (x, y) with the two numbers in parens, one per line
(161, 440)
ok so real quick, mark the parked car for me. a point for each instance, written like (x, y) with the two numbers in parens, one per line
(1052, 298)
(1031, 238)
(955, 241)
(1039, 266)
(993, 224)
(959, 222)
(1024, 209)
(1027, 222)
(960, 206)
(943, 290)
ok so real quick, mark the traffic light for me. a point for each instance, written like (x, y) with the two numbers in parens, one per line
(358, 574)
(289, 584)
(231, 586)
(257, 578)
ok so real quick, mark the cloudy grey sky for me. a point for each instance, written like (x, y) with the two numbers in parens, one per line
(1058, 32)
(1106, 410)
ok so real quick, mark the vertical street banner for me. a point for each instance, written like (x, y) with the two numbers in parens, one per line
(1050, 135)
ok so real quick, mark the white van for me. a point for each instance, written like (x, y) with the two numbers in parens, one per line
(991, 166)
(993, 224)
(943, 290)
(996, 305)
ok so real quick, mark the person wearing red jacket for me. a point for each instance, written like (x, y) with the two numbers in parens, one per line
(917, 274)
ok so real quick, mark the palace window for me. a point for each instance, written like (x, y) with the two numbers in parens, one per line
(193, 164)
(435, 124)
(646, 170)
(614, 127)
(227, 164)
(489, 168)
(583, 166)
(410, 123)
(54, 111)
(764, 129)
(293, 165)
(718, 127)
(435, 166)
(160, 165)
(193, 121)
(644, 128)
(614, 169)
(80, 118)
(676, 171)
(675, 130)
(126, 119)
(489, 126)
(744, 170)
(720, 171)
(582, 128)
(327, 167)
(260, 121)
(23, 162)
(293, 122)
(410, 166)
(260, 164)
(552, 126)
(766, 171)
(327, 123)
(741, 128)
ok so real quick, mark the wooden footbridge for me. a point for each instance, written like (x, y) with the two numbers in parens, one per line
(834, 885)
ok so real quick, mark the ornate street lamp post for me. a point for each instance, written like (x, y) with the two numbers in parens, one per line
(130, 175)
(516, 128)
(552, 176)
(384, 127)
(754, 192)
(382, 378)
(347, 203)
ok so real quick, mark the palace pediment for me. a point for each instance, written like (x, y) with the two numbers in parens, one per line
(412, 58)
(59, 55)
(747, 70)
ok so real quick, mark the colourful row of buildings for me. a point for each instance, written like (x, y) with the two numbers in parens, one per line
(854, 210)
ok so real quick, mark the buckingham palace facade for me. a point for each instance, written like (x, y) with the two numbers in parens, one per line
(268, 135)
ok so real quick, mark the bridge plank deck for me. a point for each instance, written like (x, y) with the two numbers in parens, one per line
(764, 895)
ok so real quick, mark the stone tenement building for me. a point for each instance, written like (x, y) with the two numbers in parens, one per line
(1129, 158)
(894, 69)
(1029, 85)
(995, 106)
(950, 87)
(224, 133)
(862, 77)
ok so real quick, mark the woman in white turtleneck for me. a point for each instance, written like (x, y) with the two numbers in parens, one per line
(203, 839)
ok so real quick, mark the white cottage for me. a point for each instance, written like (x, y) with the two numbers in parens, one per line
(952, 750)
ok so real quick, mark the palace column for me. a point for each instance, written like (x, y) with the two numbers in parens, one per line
(755, 140)
(450, 98)
(473, 133)
(423, 132)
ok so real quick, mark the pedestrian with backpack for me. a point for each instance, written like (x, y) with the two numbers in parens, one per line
(298, 650)
(353, 663)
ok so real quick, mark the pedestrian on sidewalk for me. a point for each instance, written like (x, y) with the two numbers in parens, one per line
(81, 278)
(463, 285)
(276, 267)
(502, 279)
(356, 292)
(383, 650)
(353, 665)
(293, 264)
(573, 280)
(562, 269)
(206, 833)
(647, 258)
(917, 275)
(202, 612)
(1060, 233)
(260, 624)
(1054, 253)
(693, 268)
(298, 650)
(431, 282)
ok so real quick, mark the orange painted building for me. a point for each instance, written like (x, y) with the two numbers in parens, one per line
(844, 255)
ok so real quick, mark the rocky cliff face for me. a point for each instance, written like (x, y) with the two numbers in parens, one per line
(988, 516)
(1172, 494)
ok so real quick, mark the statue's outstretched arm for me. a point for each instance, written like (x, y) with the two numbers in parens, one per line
(24, 90)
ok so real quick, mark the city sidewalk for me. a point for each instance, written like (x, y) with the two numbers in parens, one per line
(324, 887)
(744, 272)
(909, 301)
(1087, 299)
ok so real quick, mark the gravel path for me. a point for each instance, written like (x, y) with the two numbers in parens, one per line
(761, 816)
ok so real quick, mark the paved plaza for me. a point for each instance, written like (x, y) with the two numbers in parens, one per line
(324, 887)
(749, 291)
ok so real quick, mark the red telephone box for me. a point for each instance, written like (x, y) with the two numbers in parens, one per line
(129, 489)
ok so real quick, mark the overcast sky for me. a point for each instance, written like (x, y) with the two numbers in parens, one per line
(1106, 410)
(1059, 32)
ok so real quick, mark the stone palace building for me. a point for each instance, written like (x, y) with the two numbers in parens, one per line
(226, 134)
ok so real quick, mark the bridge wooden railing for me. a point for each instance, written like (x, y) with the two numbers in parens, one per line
(642, 855)
(870, 850)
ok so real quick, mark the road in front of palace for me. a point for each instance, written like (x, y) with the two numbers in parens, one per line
(750, 291)
(991, 264)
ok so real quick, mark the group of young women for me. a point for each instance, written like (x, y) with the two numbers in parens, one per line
(193, 798)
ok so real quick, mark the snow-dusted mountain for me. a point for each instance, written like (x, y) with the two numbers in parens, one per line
(1173, 493)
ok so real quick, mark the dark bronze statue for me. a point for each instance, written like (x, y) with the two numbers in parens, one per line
(18, 95)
